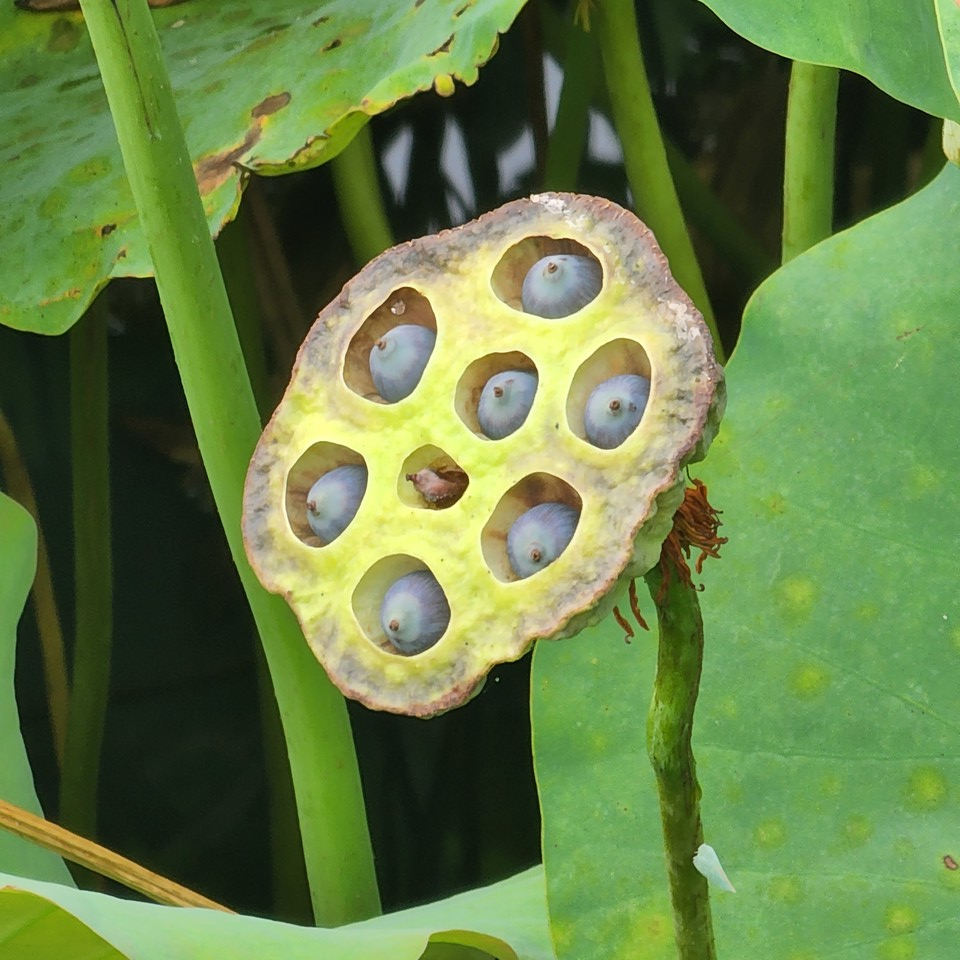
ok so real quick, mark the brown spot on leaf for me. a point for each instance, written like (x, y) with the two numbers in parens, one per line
(417, 3)
(909, 333)
(107, 229)
(271, 104)
(948, 861)
(459, 13)
(320, 20)
(213, 170)
(72, 294)
(332, 45)
(443, 48)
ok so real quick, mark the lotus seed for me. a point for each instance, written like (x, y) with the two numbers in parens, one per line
(505, 402)
(398, 359)
(334, 499)
(442, 488)
(559, 285)
(414, 613)
(539, 536)
(614, 408)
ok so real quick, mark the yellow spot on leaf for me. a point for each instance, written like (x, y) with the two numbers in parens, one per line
(798, 594)
(771, 833)
(786, 890)
(927, 788)
(809, 680)
(831, 785)
(903, 948)
(901, 918)
(857, 830)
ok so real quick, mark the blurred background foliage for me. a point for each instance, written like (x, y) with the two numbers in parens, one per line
(452, 802)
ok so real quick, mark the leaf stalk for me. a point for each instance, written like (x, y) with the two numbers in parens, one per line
(808, 166)
(207, 350)
(669, 733)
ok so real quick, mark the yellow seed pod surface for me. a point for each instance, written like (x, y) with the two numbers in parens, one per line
(465, 284)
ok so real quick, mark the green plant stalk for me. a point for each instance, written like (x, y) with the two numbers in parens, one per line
(644, 155)
(92, 570)
(45, 613)
(568, 139)
(322, 759)
(290, 890)
(361, 203)
(669, 732)
(808, 165)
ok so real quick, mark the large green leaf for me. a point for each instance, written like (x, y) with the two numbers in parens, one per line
(828, 733)
(894, 43)
(268, 87)
(18, 560)
(506, 920)
(33, 928)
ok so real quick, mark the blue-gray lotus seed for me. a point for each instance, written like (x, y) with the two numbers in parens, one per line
(334, 499)
(559, 285)
(398, 359)
(539, 536)
(414, 613)
(614, 408)
(505, 402)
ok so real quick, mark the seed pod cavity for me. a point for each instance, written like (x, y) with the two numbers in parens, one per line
(398, 371)
(614, 410)
(398, 359)
(560, 284)
(334, 499)
(505, 402)
(414, 613)
(539, 536)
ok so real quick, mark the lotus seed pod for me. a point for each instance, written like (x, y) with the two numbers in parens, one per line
(539, 536)
(398, 359)
(505, 402)
(414, 613)
(626, 501)
(334, 499)
(559, 285)
(614, 410)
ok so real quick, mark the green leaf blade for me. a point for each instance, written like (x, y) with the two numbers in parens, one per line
(268, 89)
(893, 43)
(827, 737)
(18, 558)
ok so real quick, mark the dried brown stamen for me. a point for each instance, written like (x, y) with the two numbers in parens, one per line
(624, 625)
(695, 524)
(635, 605)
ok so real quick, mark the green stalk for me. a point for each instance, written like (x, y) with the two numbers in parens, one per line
(808, 166)
(322, 758)
(669, 732)
(361, 203)
(644, 156)
(92, 570)
(290, 893)
(568, 139)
